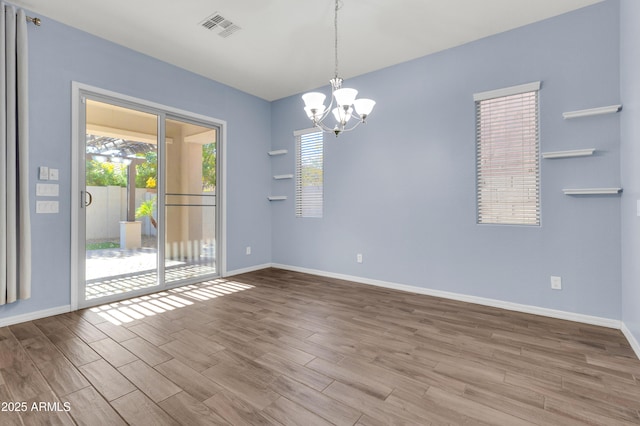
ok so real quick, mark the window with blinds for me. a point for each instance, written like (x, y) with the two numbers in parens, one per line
(309, 173)
(507, 156)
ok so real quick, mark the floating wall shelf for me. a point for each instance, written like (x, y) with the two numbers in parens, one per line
(593, 111)
(279, 177)
(592, 191)
(567, 154)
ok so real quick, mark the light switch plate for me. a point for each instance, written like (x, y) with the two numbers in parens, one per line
(49, 207)
(53, 174)
(43, 173)
(47, 189)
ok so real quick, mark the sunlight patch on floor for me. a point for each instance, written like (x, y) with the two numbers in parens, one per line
(129, 310)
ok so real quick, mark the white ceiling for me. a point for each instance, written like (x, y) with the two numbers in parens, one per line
(286, 46)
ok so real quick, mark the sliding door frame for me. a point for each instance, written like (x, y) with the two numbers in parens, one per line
(79, 93)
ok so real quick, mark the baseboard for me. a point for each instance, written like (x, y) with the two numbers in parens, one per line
(247, 270)
(632, 339)
(34, 315)
(552, 313)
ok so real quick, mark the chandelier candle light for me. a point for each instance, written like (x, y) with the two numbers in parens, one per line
(344, 97)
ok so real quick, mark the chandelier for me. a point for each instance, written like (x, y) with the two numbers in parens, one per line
(347, 106)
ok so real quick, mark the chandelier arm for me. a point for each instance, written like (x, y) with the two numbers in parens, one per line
(326, 112)
(359, 120)
(354, 114)
(331, 130)
(324, 127)
(348, 129)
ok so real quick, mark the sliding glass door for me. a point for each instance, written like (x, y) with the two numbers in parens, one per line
(148, 207)
(121, 171)
(190, 201)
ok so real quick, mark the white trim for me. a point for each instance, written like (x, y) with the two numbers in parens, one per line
(247, 270)
(31, 316)
(591, 111)
(75, 196)
(635, 345)
(222, 169)
(507, 91)
(277, 152)
(570, 316)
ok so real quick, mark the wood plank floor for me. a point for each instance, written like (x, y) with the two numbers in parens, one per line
(278, 347)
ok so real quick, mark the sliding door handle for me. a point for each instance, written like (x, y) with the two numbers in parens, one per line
(85, 199)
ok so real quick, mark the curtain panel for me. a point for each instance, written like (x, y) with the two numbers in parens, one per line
(15, 222)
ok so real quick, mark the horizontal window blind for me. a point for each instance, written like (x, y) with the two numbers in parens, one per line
(508, 171)
(309, 173)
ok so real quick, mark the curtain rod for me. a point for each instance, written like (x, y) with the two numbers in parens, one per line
(36, 21)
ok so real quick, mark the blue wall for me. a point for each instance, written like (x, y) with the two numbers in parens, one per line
(59, 55)
(401, 190)
(630, 153)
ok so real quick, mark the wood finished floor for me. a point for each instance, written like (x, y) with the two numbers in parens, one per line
(278, 347)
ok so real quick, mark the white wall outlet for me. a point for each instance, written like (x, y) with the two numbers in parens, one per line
(359, 257)
(556, 283)
(247, 251)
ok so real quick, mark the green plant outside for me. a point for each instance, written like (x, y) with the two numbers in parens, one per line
(102, 246)
(209, 167)
(146, 210)
(147, 172)
(105, 174)
(112, 174)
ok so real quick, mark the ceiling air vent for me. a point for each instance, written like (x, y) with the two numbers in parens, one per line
(221, 25)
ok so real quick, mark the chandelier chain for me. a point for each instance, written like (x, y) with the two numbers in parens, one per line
(335, 28)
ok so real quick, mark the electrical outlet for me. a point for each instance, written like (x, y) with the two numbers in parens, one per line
(247, 251)
(556, 283)
(359, 257)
